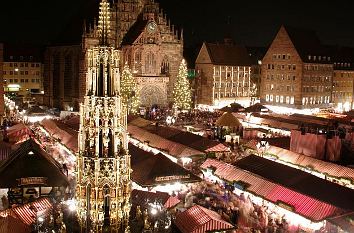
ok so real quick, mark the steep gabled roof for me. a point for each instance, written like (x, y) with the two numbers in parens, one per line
(200, 219)
(30, 160)
(307, 44)
(150, 169)
(228, 54)
(134, 32)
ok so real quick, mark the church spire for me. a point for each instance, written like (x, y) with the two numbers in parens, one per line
(104, 22)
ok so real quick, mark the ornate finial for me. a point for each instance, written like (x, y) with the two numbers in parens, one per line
(104, 21)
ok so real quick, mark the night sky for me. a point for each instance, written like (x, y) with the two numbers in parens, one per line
(248, 22)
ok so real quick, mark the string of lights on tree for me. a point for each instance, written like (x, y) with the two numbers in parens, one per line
(181, 90)
(129, 90)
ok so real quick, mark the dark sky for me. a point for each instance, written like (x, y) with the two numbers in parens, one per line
(251, 22)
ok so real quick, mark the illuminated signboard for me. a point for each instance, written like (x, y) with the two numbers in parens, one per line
(32, 181)
(168, 178)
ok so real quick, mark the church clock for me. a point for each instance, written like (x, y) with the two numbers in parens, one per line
(151, 27)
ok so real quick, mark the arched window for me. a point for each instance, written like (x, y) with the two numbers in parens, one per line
(150, 63)
(137, 62)
(88, 203)
(106, 204)
(165, 66)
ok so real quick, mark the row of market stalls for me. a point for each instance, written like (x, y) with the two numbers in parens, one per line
(306, 201)
(176, 143)
(326, 170)
(157, 179)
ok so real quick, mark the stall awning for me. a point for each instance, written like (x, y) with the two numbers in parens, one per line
(309, 207)
(330, 169)
(198, 219)
(28, 213)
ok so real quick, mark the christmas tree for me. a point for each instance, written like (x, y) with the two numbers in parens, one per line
(181, 90)
(129, 90)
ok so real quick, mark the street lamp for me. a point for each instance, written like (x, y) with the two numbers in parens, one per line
(262, 146)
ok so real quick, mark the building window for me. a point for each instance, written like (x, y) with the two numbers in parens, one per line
(216, 95)
(284, 56)
(21, 72)
(281, 99)
(292, 100)
(270, 97)
(221, 95)
(37, 64)
(32, 64)
(22, 80)
(287, 100)
(11, 64)
(33, 80)
(15, 80)
(11, 80)
(276, 98)
(267, 98)
(15, 64)
(294, 67)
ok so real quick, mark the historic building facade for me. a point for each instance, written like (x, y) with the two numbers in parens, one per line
(343, 79)
(22, 71)
(223, 75)
(103, 164)
(61, 77)
(150, 46)
(296, 71)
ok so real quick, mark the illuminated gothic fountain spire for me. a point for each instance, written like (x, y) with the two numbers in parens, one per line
(103, 28)
(103, 162)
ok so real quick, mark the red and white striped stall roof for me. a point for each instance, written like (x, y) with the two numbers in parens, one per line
(304, 205)
(198, 219)
(323, 167)
(28, 213)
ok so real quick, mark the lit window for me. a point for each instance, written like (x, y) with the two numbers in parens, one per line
(287, 99)
(271, 98)
(281, 99)
(267, 98)
(277, 99)
(292, 100)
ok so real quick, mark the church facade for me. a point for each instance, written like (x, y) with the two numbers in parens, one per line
(149, 44)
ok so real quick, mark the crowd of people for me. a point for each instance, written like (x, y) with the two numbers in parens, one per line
(239, 210)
